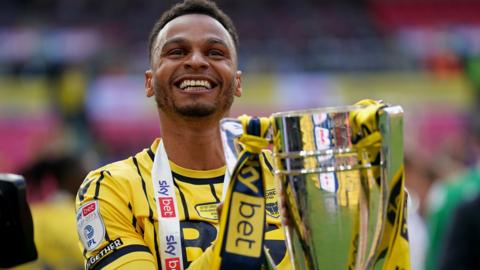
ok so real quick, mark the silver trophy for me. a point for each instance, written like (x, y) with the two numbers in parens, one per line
(336, 207)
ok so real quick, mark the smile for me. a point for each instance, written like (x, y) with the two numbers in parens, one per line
(195, 85)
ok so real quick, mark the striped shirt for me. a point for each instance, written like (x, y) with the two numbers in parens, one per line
(117, 215)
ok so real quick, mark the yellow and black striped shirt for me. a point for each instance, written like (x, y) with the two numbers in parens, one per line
(118, 199)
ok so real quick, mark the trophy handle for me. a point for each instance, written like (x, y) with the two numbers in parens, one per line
(390, 124)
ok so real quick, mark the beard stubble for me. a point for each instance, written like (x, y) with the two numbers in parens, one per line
(166, 103)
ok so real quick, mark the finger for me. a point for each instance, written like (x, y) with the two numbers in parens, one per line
(219, 209)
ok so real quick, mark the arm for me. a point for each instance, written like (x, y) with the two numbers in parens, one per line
(135, 265)
(104, 223)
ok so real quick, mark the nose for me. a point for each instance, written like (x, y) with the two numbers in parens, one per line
(197, 60)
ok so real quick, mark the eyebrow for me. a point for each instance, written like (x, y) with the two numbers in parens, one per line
(180, 40)
(175, 40)
(217, 41)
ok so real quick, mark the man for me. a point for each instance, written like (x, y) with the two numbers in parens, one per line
(158, 209)
(193, 76)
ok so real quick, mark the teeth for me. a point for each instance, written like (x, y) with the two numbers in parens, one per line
(195, 83)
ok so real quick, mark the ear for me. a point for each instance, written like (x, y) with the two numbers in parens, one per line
(238, 88)
(149, 92)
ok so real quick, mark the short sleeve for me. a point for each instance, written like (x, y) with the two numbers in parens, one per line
(108, 237)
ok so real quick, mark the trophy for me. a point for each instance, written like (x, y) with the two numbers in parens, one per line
(336, 206)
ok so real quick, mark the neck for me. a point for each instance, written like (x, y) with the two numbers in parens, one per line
(193, 143)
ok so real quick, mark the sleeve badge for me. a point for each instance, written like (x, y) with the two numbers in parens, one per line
(90, 225)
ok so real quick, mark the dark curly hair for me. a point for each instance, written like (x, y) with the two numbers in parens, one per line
(192, 7)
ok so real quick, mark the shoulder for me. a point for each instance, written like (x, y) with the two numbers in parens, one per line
(123, 170)
(121, 177)
(113, 170)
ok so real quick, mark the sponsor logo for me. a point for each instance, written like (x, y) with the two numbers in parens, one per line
(167, 209)
(244, 235)
(272, 209)
(104, 252)
(270, 194)
(89, 232)
(90, 225)
(207, 210)
(271, 203)
(249, 176)
(171, 243)
(172, 263)
(163, 187)
(89, 208)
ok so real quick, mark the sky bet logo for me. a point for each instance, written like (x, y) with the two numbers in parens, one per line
(163, 187)
(167, 209)
(171, 245)
(172, 263)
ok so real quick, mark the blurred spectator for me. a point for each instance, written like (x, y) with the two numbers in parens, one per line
(445, 197)
(52, 182)
(452, 219)
(460, 249)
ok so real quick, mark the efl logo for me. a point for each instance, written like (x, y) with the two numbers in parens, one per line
(166, 207)
(88, 209)
(172, 263)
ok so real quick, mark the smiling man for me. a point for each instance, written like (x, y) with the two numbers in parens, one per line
(158, 208)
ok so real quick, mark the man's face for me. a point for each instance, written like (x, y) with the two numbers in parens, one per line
(193, 71)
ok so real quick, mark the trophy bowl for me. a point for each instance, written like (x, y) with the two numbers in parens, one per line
(335, 205)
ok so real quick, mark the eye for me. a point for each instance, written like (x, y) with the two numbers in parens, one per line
(176, 52)
(216, 53)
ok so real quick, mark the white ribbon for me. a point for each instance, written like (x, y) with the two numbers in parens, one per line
(169, 234)
(167, 211)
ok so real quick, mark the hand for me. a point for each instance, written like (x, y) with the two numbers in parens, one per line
(284, 215)
(219, 210)
(365, 120)
(366, 133)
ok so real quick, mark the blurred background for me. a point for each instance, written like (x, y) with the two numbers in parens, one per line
(72, 95)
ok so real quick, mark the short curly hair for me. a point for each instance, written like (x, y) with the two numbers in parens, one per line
(204, 7)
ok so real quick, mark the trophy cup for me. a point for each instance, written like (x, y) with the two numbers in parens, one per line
(336, 207)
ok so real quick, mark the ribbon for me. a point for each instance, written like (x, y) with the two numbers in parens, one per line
(240, 240)
(393, 250)
(169, 234)
(394, 247)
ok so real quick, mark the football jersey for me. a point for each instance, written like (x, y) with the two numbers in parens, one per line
(117, 217)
